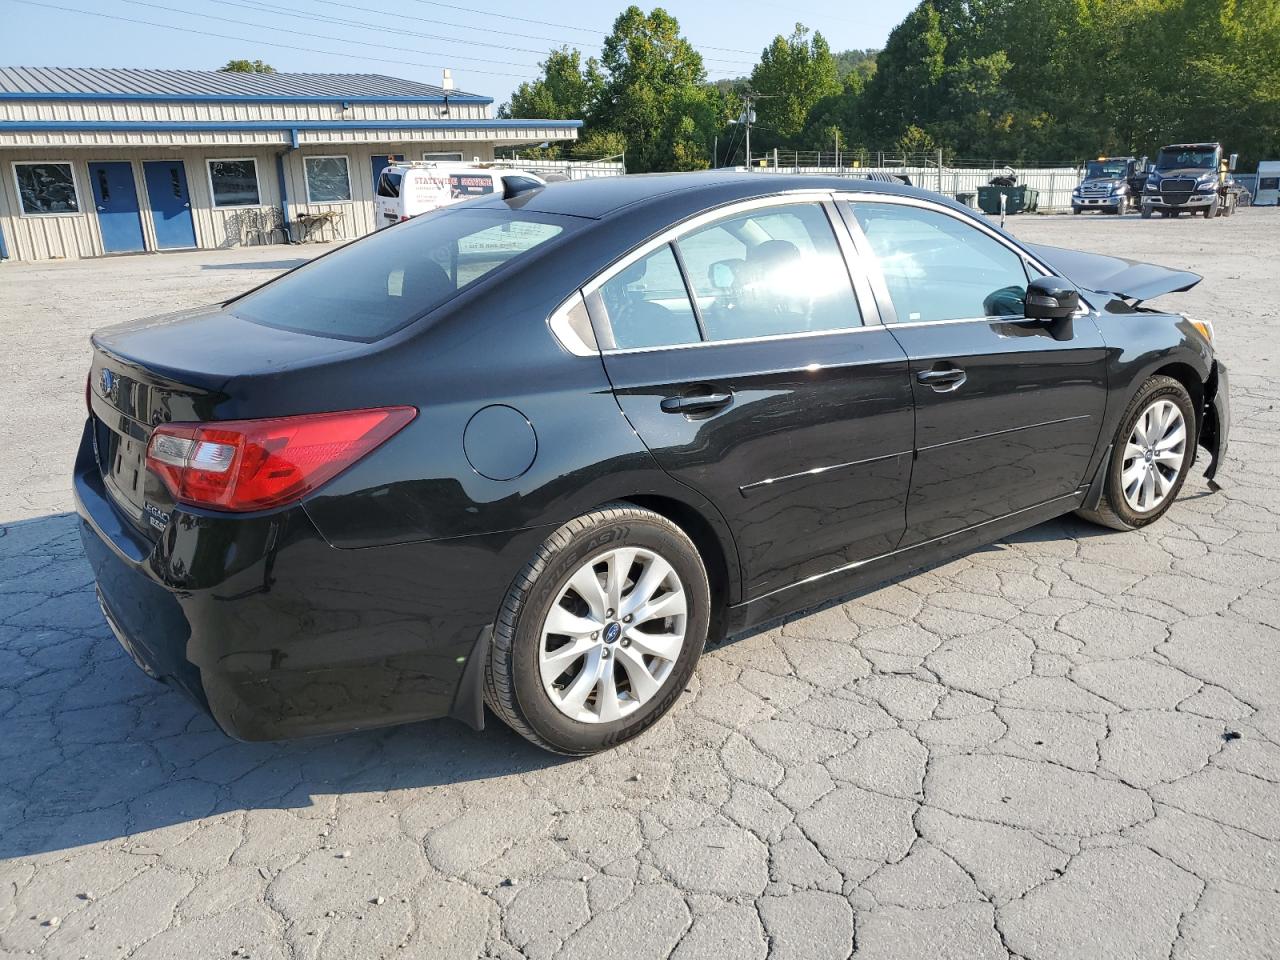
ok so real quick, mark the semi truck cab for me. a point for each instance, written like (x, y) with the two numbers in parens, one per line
(1110, 184)
(1189, 177)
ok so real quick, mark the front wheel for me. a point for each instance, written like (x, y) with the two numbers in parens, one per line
(1146, 213)
(600, 632)
(1152, 452)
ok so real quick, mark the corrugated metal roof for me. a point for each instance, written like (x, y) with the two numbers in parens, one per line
(113, 82)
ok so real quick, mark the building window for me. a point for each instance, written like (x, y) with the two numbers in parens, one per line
(455, 157)
(328, 180)
(46, 188)
(234, 183)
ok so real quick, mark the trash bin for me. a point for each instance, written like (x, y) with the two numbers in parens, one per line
(966, 198)
(1017, 199)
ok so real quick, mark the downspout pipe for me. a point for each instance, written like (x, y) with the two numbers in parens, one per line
(284, 188)
(4, 248)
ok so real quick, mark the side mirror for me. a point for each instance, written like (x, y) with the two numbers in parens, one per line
(721, 276)
(1051, 298)
(1232, 165)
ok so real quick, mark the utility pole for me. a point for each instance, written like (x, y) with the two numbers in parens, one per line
(747, 118)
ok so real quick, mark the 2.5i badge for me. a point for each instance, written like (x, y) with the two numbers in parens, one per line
(157, 517)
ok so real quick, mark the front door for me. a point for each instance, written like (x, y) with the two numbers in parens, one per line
(170, 204)
(739, 354)
(116, 198)
(1008, 410)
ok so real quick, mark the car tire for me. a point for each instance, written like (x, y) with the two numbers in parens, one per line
(1146, 213)
(1121, 510)
(1076, 211)
(619, 702)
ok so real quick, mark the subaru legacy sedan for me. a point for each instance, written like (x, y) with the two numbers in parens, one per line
(534, 450)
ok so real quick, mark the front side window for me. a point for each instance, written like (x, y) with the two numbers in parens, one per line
(937, 267)
(383, 282)
(234, 183)
(770, 272)
(648, 305)
(46, 188)
(328, 180)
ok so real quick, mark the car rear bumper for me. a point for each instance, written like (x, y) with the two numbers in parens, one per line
(278, 634)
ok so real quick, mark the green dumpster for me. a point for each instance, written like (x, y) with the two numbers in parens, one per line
(1018, 199)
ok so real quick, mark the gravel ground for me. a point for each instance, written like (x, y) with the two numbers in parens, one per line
(1065, 745)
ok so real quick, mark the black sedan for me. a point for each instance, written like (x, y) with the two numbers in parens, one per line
(534, 450)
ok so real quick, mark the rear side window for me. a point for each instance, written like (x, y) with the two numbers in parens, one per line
(768, 273)
(389, 184)
(937, 267)
(377, 285)
(648, 304)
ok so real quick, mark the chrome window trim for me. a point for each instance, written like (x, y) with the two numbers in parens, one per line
(618, 351)
(562, 327)
(863, 245)
(824, 199)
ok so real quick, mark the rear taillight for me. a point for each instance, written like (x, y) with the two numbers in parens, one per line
(243, 465)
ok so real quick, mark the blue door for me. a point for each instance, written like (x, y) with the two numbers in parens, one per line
(117, 200)
(170, 203)
(380, 162)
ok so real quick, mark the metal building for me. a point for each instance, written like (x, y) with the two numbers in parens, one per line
(96, 161)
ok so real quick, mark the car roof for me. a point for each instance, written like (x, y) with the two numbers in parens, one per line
(601, 197)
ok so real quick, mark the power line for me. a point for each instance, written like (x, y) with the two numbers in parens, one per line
(562, 26)
(323, 36)
(275, 9)
(260, 42)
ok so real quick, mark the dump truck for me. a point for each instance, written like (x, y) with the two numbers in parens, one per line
(1192, 178)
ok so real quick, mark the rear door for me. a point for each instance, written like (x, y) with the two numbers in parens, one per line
(1008, 410)
(754, 368)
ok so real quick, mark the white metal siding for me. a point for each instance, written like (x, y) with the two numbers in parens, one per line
(77, 235)
(212, 112)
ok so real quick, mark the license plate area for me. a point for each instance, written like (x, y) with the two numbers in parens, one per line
(124, 474)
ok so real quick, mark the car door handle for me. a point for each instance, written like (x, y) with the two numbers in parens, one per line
(943, 379)
(697, 403)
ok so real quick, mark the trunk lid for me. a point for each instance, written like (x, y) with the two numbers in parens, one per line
(175, 368)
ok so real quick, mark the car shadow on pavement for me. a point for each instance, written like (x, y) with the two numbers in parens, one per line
(93, 750)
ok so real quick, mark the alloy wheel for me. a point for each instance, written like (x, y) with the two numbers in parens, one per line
(613, 635)
(1153, 456)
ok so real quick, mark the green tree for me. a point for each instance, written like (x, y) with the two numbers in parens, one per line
(246, 66)
(654, 94)
(794, 74)
(567, 89)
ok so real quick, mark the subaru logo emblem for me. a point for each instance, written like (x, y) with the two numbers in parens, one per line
(107, 381)
(612, 632)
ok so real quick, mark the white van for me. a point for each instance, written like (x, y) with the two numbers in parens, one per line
(1267, 191)
(409, 189)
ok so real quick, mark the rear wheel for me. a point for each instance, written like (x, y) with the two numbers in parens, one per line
(1150, 456)
(600, 632)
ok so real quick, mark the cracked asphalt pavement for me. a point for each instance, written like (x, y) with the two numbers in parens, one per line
(1064, 745)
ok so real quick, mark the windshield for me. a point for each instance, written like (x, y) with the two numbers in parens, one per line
(1186, 157)
(377, 285)
(1108, 169)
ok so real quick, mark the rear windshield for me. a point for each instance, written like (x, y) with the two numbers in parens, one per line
(379, 284)
(389, 184)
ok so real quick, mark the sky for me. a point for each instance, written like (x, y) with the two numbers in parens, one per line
(490, 52)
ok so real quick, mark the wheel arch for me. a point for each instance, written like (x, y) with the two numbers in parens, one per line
(718, 555)
(1189, 377)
